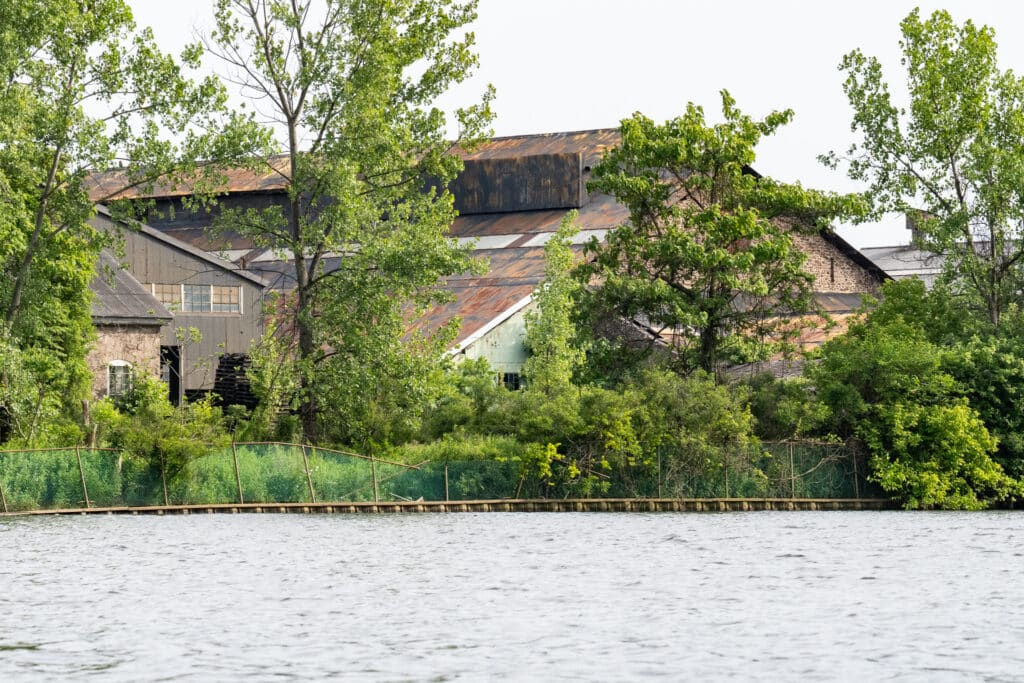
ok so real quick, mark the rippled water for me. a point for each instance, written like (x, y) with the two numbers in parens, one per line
(849, 596)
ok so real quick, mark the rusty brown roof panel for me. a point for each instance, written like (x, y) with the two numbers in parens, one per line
(590, 143)
(479, 300)
(111, 185)
(476, 307)
(507, 266)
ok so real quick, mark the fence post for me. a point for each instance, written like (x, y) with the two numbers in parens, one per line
(81, 472)
(238, 479)
(658, 450)
(163, 478)
(309, 477)
(3, 498)
(727, 473)
(446, 481)
(373, 469)
(856, 475)
(792, 473)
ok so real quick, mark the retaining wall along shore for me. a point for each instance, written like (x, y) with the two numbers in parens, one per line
(569, 505)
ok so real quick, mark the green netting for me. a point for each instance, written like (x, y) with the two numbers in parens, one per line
(276, 473)
(768, 470)
(341, 477)
(103, 470)
(466, 480)
(52, 479)
(812, 470)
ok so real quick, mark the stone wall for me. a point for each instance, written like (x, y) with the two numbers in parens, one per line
(139, 345)
(832, 269)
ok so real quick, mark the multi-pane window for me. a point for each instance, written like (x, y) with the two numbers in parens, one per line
(195, 298)
(199, 298)
(119, 377)
(169, 295)
(510, 380)
(225, 299)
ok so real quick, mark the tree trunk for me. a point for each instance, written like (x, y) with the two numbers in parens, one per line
(708, 355)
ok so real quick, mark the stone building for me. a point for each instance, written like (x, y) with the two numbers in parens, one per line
(215, 307)
(128, 320)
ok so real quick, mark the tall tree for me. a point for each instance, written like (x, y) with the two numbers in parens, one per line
(706, 259)
(951, 157)
(555, 353)
(351, 86)
(80, 89)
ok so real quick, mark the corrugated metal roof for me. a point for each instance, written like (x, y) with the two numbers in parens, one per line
(119, 299)
(111, 185)
(601, 212)
(511, 240)
(905, 260)
(591, 144)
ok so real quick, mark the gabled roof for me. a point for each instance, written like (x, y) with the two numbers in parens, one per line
(119, 299)
(187, 248)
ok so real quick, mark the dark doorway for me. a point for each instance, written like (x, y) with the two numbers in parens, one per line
(170, 372)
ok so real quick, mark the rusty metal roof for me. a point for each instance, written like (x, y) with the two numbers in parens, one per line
(513, 275)
(590, 143)
(511, 240)
(111, 185)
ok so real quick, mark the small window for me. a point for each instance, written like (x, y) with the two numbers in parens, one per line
(119, 377)
(225, 300)
(169, 295)
(196, 299)
(510, 380)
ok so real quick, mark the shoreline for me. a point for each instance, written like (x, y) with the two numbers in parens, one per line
(511, 505)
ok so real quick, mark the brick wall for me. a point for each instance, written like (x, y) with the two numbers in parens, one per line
(833, 270)
(136, 344)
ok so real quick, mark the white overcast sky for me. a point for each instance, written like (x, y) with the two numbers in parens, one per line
(561, 65)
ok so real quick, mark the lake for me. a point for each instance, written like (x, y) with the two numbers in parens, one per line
(467, 597)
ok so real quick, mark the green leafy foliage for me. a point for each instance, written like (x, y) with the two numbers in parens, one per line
(990, 371)
(157, 437)
(935, 456)
(784, 408)
(551, 337)
(352, 87)
(706, 260)
(951, 159)
(887, 384)
(32, 405)
(83, 90)
(469, 400)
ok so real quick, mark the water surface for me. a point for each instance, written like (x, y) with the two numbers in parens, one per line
(467, 597)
